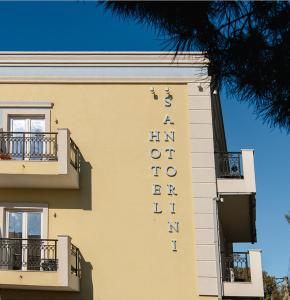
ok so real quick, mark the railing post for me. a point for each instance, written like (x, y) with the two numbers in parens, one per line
(55, 147)
(256, 270)
(55, 250)
(64, 252)
(23, 146)
(77, 264)
(249, 170)
(63, 150)
(1, 140)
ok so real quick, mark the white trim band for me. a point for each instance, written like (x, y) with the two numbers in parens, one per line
(25, 104)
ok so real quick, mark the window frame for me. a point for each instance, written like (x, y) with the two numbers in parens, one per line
(4, 207)
(26, 112)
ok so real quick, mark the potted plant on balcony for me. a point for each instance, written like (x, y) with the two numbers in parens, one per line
(4, 156)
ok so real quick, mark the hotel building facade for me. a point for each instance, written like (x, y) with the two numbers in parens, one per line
(116, 182)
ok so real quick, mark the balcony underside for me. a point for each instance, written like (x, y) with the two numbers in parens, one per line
(237, 217)
(37, 174)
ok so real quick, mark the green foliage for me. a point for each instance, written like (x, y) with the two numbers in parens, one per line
(271, 288)
(287, 216)
(247, 42)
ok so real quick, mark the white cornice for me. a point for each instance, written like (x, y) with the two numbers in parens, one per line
(51, 79)
(102, 67)
(102, 58)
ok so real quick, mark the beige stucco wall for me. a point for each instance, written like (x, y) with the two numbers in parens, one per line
(126, 248)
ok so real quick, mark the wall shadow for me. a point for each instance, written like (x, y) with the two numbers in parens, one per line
(86, 289)
(57, 198)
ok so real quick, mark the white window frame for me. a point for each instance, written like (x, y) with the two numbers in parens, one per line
(24, 207)
(25, 112)
(5, 207)
(24, 220)
(27, 119)
(24, 228)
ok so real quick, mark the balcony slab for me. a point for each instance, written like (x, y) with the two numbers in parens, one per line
(251, 289)
(244, 185)
(50, 174)
(61, 280)
(32, 174)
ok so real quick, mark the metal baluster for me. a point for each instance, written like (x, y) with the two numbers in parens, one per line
(54, 147)
(55, 251)
(247, 266)
(23, 147)
(77, 261)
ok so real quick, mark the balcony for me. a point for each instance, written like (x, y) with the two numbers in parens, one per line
(40, 264)
(236, 172)
(237, 192)
(39, 160)
(242, 274)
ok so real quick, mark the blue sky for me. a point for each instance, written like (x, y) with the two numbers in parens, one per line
(85, 26)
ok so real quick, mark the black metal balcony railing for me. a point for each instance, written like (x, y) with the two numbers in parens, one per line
(28, 146)
(74, 155)
(228, 164)
(28, 254)
(76, 261)
(34, 146)
(236, 267)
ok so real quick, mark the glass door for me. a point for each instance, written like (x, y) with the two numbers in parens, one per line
(16, 141)
(26, 141)
(14, 246)
(33, 240)
(37, 143)
(24, 232)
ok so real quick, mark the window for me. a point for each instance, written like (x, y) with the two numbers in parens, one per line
(23, 224)
(27, 123)
(24, 232)
(23, 128)
(26, 140)
(30, 109)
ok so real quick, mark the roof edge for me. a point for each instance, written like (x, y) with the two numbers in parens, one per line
(101, 58)
(103, 52)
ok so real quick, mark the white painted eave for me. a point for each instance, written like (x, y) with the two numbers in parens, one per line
(102, 67)
(102, 58)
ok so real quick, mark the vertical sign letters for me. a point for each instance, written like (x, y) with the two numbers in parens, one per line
(168, 191)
